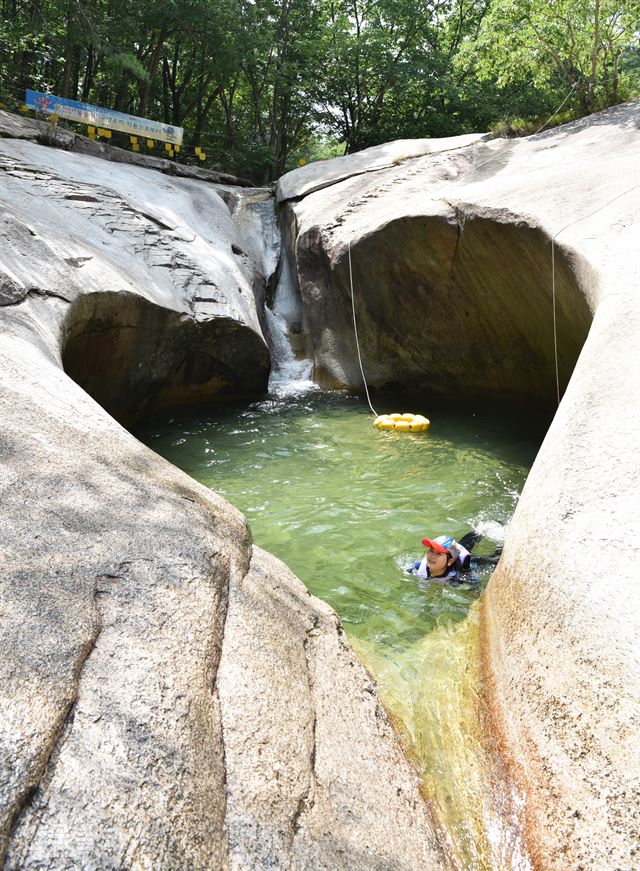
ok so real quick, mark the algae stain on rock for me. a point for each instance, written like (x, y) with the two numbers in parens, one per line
(432, 690)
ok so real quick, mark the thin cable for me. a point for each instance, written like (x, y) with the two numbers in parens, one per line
(507, 147)
(553, 272)
(355, 330)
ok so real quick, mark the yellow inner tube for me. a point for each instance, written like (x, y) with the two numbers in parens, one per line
(405, 422)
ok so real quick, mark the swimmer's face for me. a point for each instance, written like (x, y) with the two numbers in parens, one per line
(438, 563)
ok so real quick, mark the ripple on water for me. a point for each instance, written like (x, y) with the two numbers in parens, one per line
(346, 506)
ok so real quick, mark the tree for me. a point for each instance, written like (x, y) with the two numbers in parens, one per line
(576, 42)
(389, 72)
(257, 81)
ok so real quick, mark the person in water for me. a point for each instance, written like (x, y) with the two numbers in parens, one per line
(450, 561)
(444, 560)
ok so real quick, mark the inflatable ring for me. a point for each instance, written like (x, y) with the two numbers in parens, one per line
(406, 422)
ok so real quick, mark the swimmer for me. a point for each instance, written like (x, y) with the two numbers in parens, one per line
(446, 559)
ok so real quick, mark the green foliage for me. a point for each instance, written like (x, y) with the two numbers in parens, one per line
(262, 84)
(316, 147)
(510, 128)
(122, 62)
(569, 45)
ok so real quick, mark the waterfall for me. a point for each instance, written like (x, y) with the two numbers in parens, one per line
(290, 376)
(254, 215)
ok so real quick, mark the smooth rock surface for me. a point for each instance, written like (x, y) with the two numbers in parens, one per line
(295, 787)
(454, 293)
(163, 310)
(147, 652)
(15, 127)
(315, 176)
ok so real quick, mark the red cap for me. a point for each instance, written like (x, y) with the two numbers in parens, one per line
(442, 544)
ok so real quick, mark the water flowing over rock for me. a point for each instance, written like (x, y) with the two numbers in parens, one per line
(171, 697)
(456, 293)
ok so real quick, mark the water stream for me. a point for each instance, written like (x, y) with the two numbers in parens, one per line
(345, 506)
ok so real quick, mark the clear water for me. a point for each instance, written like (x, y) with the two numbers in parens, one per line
(345, 506)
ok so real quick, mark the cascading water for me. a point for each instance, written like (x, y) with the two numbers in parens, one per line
(254, 215)
(289, 375)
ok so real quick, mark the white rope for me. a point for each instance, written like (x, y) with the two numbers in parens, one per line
(505, 148)
(355, 330)
(553, 271)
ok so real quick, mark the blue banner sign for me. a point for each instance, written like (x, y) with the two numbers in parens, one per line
(99, 117)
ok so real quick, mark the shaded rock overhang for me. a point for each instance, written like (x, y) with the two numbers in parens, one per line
(454, 284)
(162, 296)
(561, 624)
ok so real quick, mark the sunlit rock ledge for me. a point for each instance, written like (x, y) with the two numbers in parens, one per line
(170, 696)
(453, 288)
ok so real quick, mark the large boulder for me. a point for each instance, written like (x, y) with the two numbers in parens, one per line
(160, 290)
(458, 289)
(170, 696)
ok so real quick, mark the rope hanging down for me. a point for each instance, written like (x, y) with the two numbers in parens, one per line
(553, 239)
(355, 330)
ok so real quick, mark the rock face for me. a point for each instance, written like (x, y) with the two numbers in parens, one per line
(161, 291)
(14, 127)
(170, 697)
(455, 293)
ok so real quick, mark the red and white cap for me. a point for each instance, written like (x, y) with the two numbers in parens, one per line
(443, 544)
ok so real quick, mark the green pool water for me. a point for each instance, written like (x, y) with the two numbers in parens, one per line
(345, 506)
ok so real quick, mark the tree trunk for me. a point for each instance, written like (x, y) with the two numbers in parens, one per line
(165, 90)
(202, 115)
(88, 74)
(594, 56)
(152, 66)
(68, 57)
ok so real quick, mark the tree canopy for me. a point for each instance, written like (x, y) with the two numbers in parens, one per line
(260, 84)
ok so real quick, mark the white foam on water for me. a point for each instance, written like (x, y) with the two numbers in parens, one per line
(289, 376)
(491, 529)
